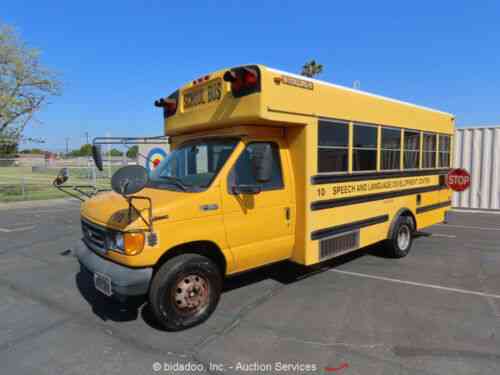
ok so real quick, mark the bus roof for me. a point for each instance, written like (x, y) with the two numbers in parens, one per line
(213, 102)
(317, 81)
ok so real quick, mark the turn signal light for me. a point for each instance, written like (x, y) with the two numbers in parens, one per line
(133, 243)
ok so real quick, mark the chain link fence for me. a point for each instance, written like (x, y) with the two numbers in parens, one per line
(30, 177)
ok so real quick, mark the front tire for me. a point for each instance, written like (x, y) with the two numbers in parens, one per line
(185, 291)
(399, 245)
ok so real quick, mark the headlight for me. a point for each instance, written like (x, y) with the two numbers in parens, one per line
(119, 241)
(131, 243)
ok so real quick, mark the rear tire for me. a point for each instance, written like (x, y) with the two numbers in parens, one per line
(185, 291)
(399, 245)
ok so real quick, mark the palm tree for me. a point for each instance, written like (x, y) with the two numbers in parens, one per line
(311, 69)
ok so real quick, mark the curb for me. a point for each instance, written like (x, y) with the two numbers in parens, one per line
(476, 211)
(39, 203)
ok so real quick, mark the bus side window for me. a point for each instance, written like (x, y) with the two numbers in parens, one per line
(364, 147)
(429, 150)
(411, 149)
(333, 146)
(444, 150)
(391, 149)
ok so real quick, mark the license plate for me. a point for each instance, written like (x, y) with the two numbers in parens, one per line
(102, 283)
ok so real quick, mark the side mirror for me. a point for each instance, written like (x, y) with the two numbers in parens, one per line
(97, 156)
(61, 177)
(129, 180)
(262, 162)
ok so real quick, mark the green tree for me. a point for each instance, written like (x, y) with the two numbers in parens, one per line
(84, 150)
(8, 149)
(311, 69)
(25, 84)
(37, 151)
(8, 144)
(132, 152)
(115, 152)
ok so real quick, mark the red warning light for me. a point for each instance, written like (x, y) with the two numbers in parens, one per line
(250, 78)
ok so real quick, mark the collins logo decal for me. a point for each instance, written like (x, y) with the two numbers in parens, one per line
(155, 157)
(292, 81)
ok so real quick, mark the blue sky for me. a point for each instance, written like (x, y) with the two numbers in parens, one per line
(116, 58)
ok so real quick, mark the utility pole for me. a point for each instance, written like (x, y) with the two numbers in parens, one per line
(88, 157)
(108, 134)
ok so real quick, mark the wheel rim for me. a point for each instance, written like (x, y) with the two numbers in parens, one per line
(191, 294)
(404, 236)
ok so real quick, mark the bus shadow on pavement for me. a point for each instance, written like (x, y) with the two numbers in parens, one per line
(283, 272)
(106, 308)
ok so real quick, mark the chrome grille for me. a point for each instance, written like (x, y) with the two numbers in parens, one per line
(94, 236)
(330, 247)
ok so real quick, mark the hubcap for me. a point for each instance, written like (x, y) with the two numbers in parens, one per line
(191, 294)
(404, 236)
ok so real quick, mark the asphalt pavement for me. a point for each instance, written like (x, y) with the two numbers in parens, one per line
(437, 311)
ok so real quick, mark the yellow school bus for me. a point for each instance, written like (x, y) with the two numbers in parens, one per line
(266, 166)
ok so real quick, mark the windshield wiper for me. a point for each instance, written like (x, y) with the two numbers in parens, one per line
(177, 182)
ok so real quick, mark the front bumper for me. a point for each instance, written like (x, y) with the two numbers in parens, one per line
(125, 281)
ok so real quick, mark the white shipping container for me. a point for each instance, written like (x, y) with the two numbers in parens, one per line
(478, 151)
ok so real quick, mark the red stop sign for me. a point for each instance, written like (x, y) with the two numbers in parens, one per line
(458, 179)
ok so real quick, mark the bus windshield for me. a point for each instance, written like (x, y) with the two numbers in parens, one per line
(193, 165)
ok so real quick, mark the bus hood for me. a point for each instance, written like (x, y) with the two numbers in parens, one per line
(111, 210)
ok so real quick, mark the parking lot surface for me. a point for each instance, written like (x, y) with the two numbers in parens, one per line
(436, 311)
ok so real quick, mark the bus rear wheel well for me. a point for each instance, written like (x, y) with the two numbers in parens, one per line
(206, 248)
(403, 212)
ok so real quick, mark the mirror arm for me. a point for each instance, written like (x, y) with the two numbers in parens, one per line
(76, 188)
(149, 223)
(62, 188)
(87, 194)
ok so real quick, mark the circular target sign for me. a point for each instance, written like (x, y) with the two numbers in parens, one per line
(155, 157)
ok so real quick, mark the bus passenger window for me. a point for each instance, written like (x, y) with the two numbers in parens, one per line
(333, 146)
(364, 156)
(391, 149)
(444, 151)
(411, 149)
(429, 150)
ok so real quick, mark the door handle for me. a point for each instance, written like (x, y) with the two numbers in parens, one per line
(287, 214)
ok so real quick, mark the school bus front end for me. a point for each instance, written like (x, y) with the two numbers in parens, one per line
(265, 166)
